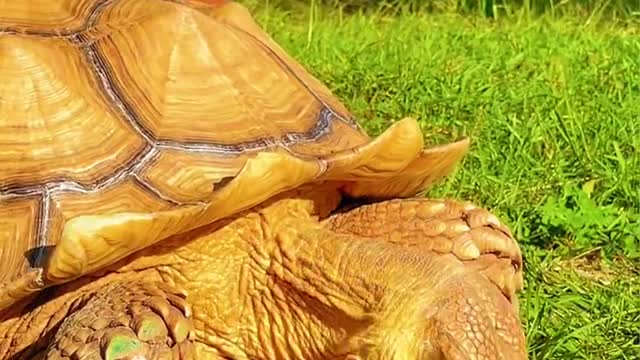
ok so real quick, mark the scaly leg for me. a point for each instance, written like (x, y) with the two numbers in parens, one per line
(444, 226)
(471, 322)
(126, 320)
(372, 298)
(397, 302)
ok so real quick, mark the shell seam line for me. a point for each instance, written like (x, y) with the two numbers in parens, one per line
(132, 168)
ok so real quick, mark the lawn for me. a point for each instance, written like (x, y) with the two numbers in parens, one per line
(552, 106)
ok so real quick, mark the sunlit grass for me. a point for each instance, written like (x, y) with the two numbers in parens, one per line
(553, 110)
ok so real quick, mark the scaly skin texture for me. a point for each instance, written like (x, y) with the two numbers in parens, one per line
(444, 226)
(276, 282)
(127, 318)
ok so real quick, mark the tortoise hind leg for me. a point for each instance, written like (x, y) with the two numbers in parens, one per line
(127, 320)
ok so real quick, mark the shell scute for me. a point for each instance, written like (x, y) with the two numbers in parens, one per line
(196, 71)
(125, 124)
(18, 233)
(137, 110)
(54, 123)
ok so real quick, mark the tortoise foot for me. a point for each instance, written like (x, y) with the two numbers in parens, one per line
(127, 320)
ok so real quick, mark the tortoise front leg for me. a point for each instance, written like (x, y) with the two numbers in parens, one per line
(126, 320)
(443, 226)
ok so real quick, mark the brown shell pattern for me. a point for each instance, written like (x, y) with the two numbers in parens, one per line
(139, 106)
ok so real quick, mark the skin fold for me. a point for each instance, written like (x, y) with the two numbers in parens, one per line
(294, 279)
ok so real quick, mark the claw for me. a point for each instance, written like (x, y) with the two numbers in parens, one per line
(509, 285)
(178, 324)
(491, 235)
(519, 281)
(149, 327)
(498, 278)
(441, 244)
(504, 276)
(158, 304)
(455, 227)
(180, 303)
(174, 289)
(481, 217)
(490, 240)
(464, 247)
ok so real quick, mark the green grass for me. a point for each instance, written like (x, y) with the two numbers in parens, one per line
(621, 11)
(552, 106)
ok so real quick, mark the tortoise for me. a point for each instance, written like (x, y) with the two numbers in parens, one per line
(174, 185)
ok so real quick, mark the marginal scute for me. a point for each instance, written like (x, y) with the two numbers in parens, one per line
(339, 135)
(427, 168)
(128, 196)
(382, 157)
(192, 176)
(18, 226)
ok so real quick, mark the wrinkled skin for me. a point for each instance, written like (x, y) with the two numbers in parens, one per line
(288, 280)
